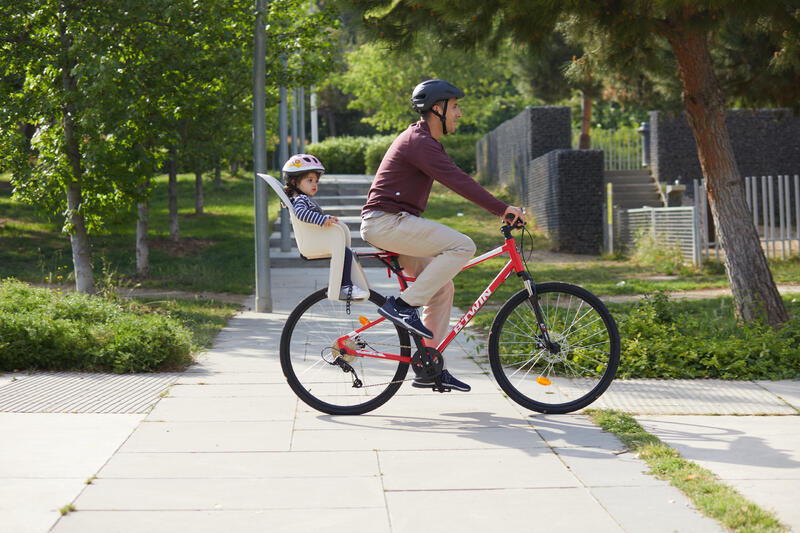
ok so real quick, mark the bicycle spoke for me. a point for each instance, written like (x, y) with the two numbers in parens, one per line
(560, 377)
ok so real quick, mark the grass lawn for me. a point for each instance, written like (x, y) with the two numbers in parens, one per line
(215, 251)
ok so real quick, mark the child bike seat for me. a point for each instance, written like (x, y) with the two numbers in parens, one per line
(315, 242)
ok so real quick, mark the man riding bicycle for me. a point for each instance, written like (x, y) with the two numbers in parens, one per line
(429, 251)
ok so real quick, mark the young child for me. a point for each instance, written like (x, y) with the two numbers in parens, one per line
(302, 172)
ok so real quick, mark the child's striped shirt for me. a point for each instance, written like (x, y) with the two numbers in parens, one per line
(307, 210)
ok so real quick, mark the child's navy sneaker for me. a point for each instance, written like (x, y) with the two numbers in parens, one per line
(404, 316)
(448, 380)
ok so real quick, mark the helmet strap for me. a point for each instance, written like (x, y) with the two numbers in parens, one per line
(442, 117)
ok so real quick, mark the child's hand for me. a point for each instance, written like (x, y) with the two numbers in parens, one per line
(329, 220)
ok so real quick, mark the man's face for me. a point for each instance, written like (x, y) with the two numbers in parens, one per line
(453, 114)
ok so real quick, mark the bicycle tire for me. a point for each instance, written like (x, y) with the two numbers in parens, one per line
(554, 383)
(305, 355)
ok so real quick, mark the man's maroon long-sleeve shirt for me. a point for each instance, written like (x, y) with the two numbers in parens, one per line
(406, 174)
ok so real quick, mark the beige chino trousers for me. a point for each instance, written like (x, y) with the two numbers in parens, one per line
(429, 251)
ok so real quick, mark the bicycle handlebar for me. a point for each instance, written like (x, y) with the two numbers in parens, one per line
(509, 218)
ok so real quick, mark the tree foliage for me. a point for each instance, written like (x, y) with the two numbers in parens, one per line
(381, 80)
(644, 45)
(93, 95)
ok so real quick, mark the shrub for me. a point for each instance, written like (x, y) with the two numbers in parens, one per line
(666, 339)
(652, 251)
(42, 329)
(376, 148)
(341, 155)
(359, 155)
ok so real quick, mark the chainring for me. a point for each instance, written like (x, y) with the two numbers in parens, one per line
(427, 363)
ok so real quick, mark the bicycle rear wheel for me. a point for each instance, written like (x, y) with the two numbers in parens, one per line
(310, 366)
(571, 376)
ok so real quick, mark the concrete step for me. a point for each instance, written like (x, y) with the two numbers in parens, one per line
(292, 259)
(341, 200)
(353, 221)
(634, 188)
(344, 185)
(275, 239)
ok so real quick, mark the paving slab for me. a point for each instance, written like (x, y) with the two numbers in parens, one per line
(233, 465)
(237, 494)
(346, 520)
(655, 509)
(46, 459)
(221, 409)
(230, 436)
(479, 511)
(759, 456)
(499, 468)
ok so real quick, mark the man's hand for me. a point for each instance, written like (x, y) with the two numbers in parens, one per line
(516, 212)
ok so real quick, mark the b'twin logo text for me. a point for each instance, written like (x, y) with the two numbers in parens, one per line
(474, 309)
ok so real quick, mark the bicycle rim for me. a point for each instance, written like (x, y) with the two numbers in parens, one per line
(580, 370)
(308, 361)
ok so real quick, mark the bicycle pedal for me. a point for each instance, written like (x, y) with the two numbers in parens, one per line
(441, 388)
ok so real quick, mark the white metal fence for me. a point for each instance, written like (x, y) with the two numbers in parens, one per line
(774, 203)
(672, 226)
(622, 147)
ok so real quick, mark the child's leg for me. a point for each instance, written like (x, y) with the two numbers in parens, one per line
(348, 263)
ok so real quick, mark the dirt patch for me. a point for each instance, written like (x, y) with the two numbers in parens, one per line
(181, 247)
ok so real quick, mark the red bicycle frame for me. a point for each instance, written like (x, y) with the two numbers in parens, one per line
(514, 264)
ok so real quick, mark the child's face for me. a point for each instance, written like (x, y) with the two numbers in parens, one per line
(308, 183)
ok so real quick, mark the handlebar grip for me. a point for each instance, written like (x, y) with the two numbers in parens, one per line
(509, 218)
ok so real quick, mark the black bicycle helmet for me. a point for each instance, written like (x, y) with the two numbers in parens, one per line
(427, 93)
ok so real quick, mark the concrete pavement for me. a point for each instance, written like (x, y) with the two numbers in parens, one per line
(230, 448)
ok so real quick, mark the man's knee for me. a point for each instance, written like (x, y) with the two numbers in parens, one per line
(466, 246)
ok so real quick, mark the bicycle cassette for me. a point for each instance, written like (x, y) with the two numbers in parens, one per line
(350, 345)
(427, 363)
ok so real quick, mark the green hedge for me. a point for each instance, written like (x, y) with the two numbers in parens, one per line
(689, 340)
(341, 155)
(376, 148)
(363, 155)
(41, 329)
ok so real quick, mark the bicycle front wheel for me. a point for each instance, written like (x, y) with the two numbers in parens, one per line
(575, 370)
(310, 363)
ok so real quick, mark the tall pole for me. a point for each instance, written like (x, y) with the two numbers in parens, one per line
(301, 99)
(283, 134)
(314, 126)
(263, 303)
(294, 122)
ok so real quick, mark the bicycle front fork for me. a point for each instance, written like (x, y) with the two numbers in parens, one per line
(544, 335)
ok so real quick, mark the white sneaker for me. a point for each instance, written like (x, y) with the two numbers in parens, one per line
(358, 293)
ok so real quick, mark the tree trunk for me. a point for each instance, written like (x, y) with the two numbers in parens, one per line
(142, 247)
(173, 198)
(218, 176)
(585, 139)
(78, 236)
(198, 192)
(79, 240)
(754, 292)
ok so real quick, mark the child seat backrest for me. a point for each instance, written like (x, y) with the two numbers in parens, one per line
(315, 242)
